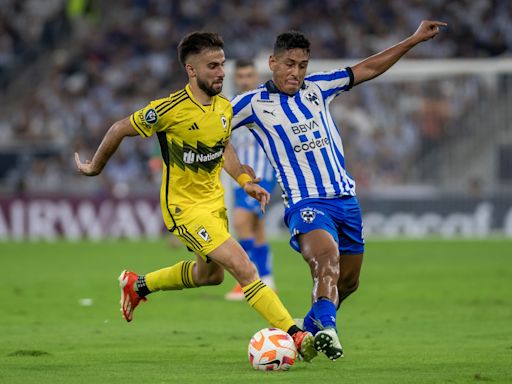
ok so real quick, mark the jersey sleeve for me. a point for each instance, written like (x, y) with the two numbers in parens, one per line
(146, 121)
(334, 82)
(242, 111)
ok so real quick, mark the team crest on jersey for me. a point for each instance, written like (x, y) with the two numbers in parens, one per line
(312, 97)
(204, 234)
(224, 121)
(308, 215)
(151, 117)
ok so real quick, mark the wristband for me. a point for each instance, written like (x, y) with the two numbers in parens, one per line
(243, 179)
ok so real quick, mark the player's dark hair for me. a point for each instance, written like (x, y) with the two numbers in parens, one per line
(242, 63)
(195, 42)
(291, 40)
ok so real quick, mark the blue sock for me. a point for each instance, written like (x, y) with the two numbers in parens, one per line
(325, 311)
(262, 258)
(309, 322)
(248, 246)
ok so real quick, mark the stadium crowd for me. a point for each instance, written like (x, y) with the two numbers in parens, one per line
(113, 58)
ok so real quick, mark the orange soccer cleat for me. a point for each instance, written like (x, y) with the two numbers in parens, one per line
(129, 298)
(304, 341)
(236, 294)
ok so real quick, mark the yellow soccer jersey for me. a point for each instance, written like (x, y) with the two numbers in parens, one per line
(192, 139)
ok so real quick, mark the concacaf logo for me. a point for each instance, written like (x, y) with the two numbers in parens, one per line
(151, 117)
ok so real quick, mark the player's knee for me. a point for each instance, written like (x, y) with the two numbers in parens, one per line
(242, 227)
(322, 258)
(238, 224)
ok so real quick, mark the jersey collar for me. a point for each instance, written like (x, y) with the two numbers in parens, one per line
(272, 87)
(204, 108)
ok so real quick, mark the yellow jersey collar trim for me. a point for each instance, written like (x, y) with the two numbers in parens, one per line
(204, 108)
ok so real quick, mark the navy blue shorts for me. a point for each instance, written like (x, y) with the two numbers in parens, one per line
(341, 217)
(244, 201)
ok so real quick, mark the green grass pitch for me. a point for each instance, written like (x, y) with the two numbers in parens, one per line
(426, 312)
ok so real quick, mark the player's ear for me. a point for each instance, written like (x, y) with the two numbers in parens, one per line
(190, 70)
(272, 62)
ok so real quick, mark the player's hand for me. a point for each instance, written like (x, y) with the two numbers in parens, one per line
(248, 169)
(427, 30)
(259, 193)
(85, 168)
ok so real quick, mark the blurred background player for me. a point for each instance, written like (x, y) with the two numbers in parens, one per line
(248, 220)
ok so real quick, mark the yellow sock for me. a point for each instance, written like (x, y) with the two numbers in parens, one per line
(178, 276)
(268, 305)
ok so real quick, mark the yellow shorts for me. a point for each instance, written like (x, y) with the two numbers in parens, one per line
(202, 230)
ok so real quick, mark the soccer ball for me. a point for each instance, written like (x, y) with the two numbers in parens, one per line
(272, 350)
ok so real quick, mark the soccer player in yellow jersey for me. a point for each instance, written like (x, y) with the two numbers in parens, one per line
(193, 127)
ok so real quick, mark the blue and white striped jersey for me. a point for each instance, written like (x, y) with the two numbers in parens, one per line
(249, 152)
(299, 135)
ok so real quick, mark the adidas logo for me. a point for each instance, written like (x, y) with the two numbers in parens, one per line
(194, 127)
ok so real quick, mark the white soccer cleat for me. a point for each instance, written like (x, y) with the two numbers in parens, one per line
(327, 342)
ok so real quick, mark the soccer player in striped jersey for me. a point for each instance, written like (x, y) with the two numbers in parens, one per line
(193, 127)
(248, 220)
(289, 117)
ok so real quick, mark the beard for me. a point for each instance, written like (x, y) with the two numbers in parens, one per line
(207, 89)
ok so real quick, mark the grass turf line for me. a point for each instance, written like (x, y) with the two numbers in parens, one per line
(426, 312)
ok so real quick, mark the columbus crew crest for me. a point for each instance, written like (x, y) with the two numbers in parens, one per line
(204, 234)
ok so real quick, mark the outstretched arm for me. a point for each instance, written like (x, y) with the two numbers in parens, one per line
(116, 133)
(377, 64)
